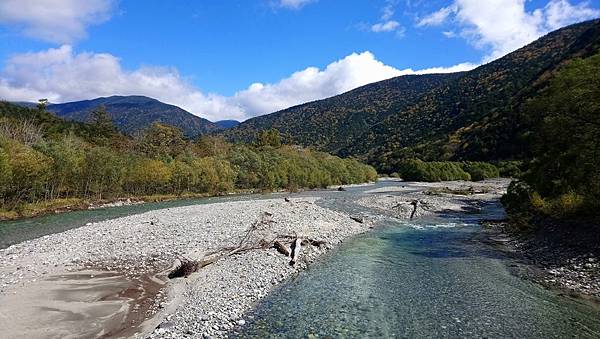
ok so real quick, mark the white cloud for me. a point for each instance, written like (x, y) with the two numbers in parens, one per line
(59, 21)
(293, 4)
(561, 13)
(502, 26)
(387, 26)
(61, 75)
(437, 18)
(312, 83)
(462, 67)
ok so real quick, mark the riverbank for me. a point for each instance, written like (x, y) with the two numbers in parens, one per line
(562, 257)
(141, 247)
(57, 206)
(418, 199)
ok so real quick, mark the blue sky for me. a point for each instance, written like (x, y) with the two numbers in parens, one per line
(237, 59)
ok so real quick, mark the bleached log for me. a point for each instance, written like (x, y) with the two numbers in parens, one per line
(296, 246)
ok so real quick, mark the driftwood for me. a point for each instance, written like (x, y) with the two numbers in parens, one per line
(358, 219)
(415, 204)
(184, 269)
(281, 248)
(248, 243)
(296, 246)
(317, 243)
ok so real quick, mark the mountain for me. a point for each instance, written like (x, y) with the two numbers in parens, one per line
(225, 124)
(24, 104)
(460, 116)
(134, 113)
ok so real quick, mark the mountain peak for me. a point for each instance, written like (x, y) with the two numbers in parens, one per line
(133, 113)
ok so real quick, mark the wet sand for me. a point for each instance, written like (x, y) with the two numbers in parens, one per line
(83, 304)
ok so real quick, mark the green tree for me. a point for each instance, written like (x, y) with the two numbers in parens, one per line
(161, 141)
(566, 136)
(30, 171)
(102, 173)
(213, 175)
(5, 174)
(149, 176)
(102, 124)
(209, 145)
(270, 137)
(69, 156)
(182, 176)
(42, 105)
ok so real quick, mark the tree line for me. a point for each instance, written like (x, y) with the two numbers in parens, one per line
(43, 158)
(431, 171)
(562, 180)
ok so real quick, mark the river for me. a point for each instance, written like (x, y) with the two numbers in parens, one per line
(431, 278)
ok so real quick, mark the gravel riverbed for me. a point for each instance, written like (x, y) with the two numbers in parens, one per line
(433, 198)
(210, 302)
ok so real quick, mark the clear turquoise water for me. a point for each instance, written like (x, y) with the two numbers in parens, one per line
(437, 280)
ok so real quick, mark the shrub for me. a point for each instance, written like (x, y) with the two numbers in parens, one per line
(481, 170)
(418, 170)
(510, 169)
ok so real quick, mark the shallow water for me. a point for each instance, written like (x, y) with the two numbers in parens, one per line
(429, 279)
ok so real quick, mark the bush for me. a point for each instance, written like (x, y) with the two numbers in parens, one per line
(510, 169)
(481, 170)
(418, 170)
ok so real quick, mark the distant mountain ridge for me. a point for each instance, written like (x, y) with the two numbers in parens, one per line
(467, 115)
(224, 124)
(135, 113)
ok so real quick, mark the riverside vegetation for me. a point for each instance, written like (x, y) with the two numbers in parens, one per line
(562, 180)
(49, 163)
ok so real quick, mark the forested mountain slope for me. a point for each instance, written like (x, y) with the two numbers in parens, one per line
(473, 115)
(132, 114)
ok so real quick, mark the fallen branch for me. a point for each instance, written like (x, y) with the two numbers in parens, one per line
(415, 204)
(358, 219)
(281, 248)
(296, 246)
(246, 244)
(186, 268)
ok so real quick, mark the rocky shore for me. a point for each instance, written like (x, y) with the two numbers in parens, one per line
(433, 198)
(561, 257)
(208, 303)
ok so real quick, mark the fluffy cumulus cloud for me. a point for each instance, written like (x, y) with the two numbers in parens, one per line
(501, 26)
(58, 21)
(61, 75)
